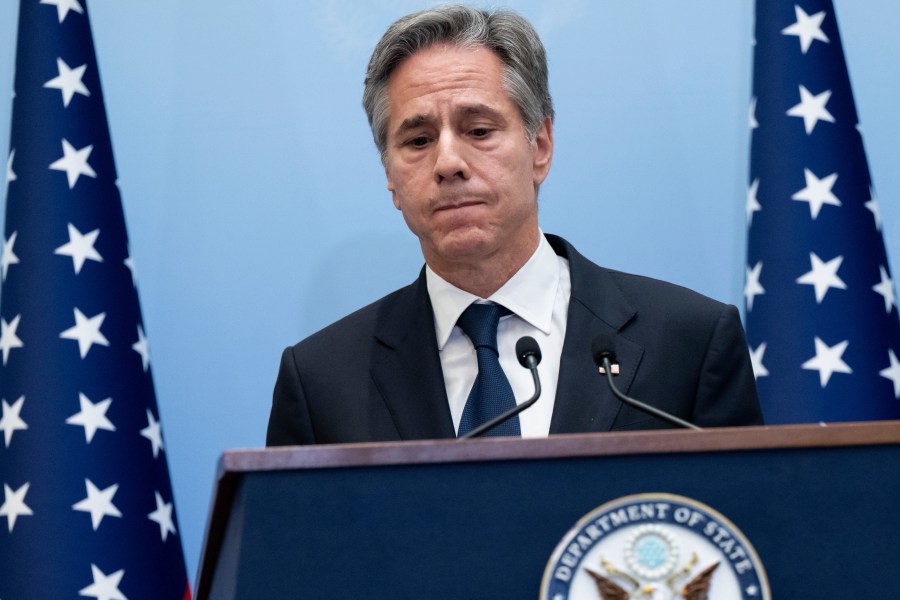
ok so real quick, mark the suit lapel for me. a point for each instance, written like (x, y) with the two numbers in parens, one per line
(583, 399)
(406, 367)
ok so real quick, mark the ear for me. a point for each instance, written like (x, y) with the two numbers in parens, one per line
(543, 151)
(390, 187)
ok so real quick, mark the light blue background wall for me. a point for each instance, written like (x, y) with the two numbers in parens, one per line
(257, 207)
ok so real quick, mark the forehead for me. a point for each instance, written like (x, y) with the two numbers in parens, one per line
(445, 75)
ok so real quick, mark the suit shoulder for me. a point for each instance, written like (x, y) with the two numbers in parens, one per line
(641, 289)
(599, 286)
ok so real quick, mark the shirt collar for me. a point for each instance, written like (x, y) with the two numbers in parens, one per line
(530, 294)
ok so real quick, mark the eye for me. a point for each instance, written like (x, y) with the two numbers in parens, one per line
(418, 142)
(480, 132)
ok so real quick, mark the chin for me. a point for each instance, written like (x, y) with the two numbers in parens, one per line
(464, 245)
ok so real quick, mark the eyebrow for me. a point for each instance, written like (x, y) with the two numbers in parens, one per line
(467, 110)
(412, 123)
(483, 109)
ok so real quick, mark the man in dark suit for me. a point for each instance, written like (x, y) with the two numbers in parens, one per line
(460, 109)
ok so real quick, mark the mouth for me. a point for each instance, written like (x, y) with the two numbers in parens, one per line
(457, 205)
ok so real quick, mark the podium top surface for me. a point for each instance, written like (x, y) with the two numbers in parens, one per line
(234, 462)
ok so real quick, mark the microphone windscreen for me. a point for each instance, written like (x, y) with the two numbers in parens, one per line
(603, 346)
(525, 347)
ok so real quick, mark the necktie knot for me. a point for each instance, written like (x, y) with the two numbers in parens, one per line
(479, 322)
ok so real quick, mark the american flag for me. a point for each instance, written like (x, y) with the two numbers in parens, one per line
(821, 310)
(87, 507)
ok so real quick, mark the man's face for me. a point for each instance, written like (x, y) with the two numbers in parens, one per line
(459, 164)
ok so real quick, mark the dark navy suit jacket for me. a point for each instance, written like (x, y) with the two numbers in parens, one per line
(375, 375)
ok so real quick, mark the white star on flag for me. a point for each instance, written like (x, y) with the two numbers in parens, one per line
(129, 262)
(828, 360)
(86, 332)
(886, 288)
(753, 288)
(10, 175)
(817, 192)
(807, 28)
(14, 504)
(756, 361)
(812, 109)
(753, 204)
(64, 6)
(11, 420)
(74, 163)
(892, 372)
(68, 81)
(872, 205)
(9, 257)
(8, 337)
(752, 123)
(142, 347)
(153, 432)
(91, 416)
(163, 516)
(105, 587)
(80, 247)
(98, 502)
(823, 276)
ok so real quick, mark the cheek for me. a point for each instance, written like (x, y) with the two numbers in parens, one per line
(513, 182)
(395, 185)
(409, 189)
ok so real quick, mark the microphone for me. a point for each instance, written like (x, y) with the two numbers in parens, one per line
(529, 354)
(603, 351)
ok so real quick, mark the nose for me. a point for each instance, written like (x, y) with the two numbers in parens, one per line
(450, 161)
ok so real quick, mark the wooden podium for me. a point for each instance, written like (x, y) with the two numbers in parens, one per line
(481, 518)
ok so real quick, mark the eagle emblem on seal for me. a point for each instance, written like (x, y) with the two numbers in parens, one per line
(695, 589)
(652, 573)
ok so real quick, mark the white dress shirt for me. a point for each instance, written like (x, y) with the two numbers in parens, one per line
(538, 296)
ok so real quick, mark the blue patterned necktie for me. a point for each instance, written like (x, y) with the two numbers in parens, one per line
(491, 395)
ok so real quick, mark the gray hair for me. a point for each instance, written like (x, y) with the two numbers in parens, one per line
(509, 36)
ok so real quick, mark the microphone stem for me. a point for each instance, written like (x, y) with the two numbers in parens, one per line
(672, 419)
(532, 366)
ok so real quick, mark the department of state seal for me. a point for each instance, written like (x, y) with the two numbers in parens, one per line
(655, 547)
